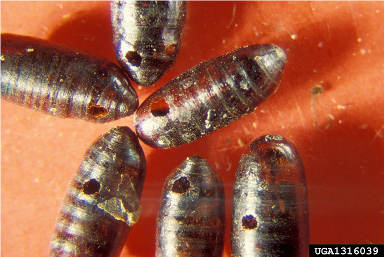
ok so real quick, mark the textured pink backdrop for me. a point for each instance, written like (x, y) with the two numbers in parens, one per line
(339, 133)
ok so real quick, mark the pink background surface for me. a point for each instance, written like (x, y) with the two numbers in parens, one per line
(339, 133)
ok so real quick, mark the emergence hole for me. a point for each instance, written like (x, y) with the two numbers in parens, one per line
(91, 187)
(181, 185)
(133, 58)
(159, 108)
(249, 222)
(97, 111)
